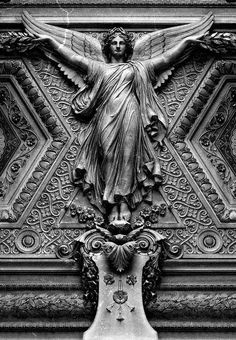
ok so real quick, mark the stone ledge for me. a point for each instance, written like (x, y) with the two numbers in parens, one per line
(40, 264)
(37, 265)
(42, 291)
(159, 326)
(201, 266)
(123, 3)
(94, 17)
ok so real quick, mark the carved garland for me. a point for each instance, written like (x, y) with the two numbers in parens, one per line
(194, 305)
(46, 305)
(55, 305)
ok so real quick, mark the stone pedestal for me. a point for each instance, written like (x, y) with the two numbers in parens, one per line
(120, 311)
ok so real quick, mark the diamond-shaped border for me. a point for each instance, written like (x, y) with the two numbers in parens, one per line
(227, 131)
(43, 137)
(5, 157)
(184, 125)
(59, 135)
(214, 162)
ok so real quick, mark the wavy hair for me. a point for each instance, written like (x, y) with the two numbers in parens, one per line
(110, 35)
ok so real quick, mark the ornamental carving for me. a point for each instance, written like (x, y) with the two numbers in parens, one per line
(108, 165)
(108, 111)
(211, 146)
(33, 140)
(119, 249)
(118, 295)
(22, 142)
(44, 219)
(57, 305)
(218, 141)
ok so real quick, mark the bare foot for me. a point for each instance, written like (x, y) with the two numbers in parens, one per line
(125, 213)
(114, 214)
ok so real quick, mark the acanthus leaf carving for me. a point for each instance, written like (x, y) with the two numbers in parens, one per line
(119, 256)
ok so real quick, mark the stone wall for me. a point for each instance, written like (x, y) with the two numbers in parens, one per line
(40, 290)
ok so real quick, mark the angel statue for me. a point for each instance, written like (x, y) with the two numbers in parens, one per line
(117, 165)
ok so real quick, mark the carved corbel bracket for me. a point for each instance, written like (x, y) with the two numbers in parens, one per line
(119, 268)
(120, 271)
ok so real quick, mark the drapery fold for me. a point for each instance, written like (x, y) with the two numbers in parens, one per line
(117, 161)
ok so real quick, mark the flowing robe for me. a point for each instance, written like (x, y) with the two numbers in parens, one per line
(117, 161)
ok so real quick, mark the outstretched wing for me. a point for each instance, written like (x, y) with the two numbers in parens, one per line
(80, 43)
(154, 44)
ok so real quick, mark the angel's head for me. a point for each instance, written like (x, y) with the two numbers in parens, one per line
(118, 43)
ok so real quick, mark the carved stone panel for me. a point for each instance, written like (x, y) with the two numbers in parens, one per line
(33, 138)
(201, 138)
(56, 129)
(195, 205)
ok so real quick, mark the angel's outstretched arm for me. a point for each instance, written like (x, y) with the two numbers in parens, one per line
(65, 53)
(170, 57)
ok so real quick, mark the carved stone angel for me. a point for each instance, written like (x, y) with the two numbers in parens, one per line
(117, 165)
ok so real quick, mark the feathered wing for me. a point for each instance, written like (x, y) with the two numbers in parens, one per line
(154, 44)
(80, 43)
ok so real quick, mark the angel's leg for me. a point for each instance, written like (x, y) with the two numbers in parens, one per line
(125, 213)
(114, 214)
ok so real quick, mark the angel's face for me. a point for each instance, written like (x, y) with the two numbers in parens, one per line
(118, 47)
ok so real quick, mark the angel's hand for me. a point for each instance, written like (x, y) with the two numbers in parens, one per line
(43, 39)
(196, 39)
